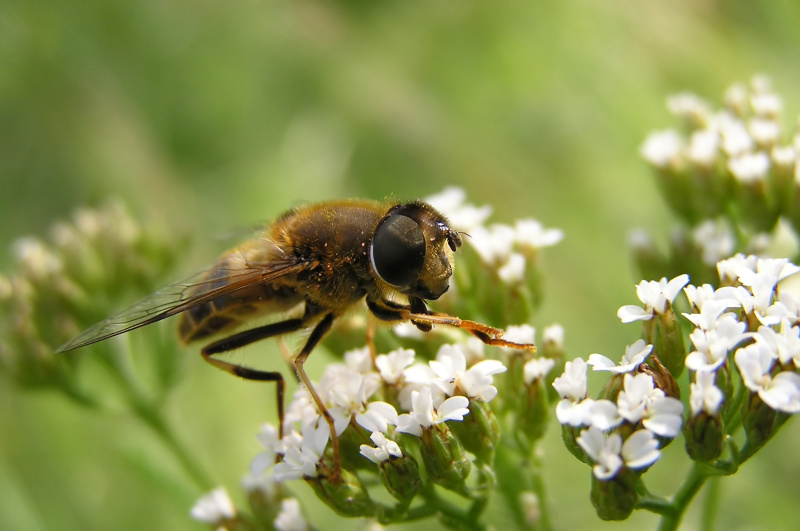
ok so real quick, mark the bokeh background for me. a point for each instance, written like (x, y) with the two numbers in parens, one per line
(208, 116)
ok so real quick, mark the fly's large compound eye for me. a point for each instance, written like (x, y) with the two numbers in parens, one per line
(398, 250)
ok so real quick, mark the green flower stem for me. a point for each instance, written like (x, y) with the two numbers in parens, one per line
(517, 474)
(150, 412)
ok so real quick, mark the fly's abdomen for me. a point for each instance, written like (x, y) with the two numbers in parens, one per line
(233, 310)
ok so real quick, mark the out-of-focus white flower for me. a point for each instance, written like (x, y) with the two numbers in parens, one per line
(715, 240)
(393, 364)
(750, 167)
(215, 508)
(662, 148)
(531, 234)
(462, 216)
(513, 270)
(537, 369)
(290, 518)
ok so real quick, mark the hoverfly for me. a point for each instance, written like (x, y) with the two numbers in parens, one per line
(326, 257)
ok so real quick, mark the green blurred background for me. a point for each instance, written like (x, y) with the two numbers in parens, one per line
(208, 116)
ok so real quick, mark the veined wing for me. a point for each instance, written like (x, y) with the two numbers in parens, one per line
(206, 285)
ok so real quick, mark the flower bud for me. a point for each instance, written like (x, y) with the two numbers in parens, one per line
(400, 476)
(347, 498)
(615, 499)
(479, 432)
(758, 420)
(667, 340)
(445, 460)
(704, 435)
(533, 418)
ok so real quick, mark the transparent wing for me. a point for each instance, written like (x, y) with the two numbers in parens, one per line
(206, 285)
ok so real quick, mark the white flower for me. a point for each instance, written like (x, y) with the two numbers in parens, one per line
(461, 216)
(521, 334)
(785, 343)
(703, 147)
(575, 413)
(574, 409)
(634, 355)
(346, 393)
(712, 346)
(392, 365)
(450, 367)
(302, 453)
(766, 104)
(662, 148)
(268, 437)
(781, 392)
(765, 131)
(699, 295)
(493, 244)
(290, 518)
(640, 449)
(384, 449)
(655, 296)
(408, 330)
(735, 138)
(214, 508)
(750, 167)
(711, 312)
(664, 416)
(425, 415)
(359, 360)
(531, 234)
(689, 106)
(513, 270)
(715, 240)
(604, 415)
(554, 335)
(571, 385)
(537, 369)
(728, 269)
(641, 401)
(704, 394)
(609, 453)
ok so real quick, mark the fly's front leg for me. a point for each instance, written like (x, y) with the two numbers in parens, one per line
(424, 319)
(245, 338)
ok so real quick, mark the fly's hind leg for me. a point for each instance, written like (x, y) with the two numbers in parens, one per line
(245, 338)
(271, 330)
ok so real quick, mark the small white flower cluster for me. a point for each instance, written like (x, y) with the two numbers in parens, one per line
(745, 136)
(504, 248)
(639, 405)
(430, 394)
(748, 320)
(767, 358)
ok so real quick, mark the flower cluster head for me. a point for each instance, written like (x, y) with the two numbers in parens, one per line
(730, 174)
(748, 327)
(378, 404)
(60, 285)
